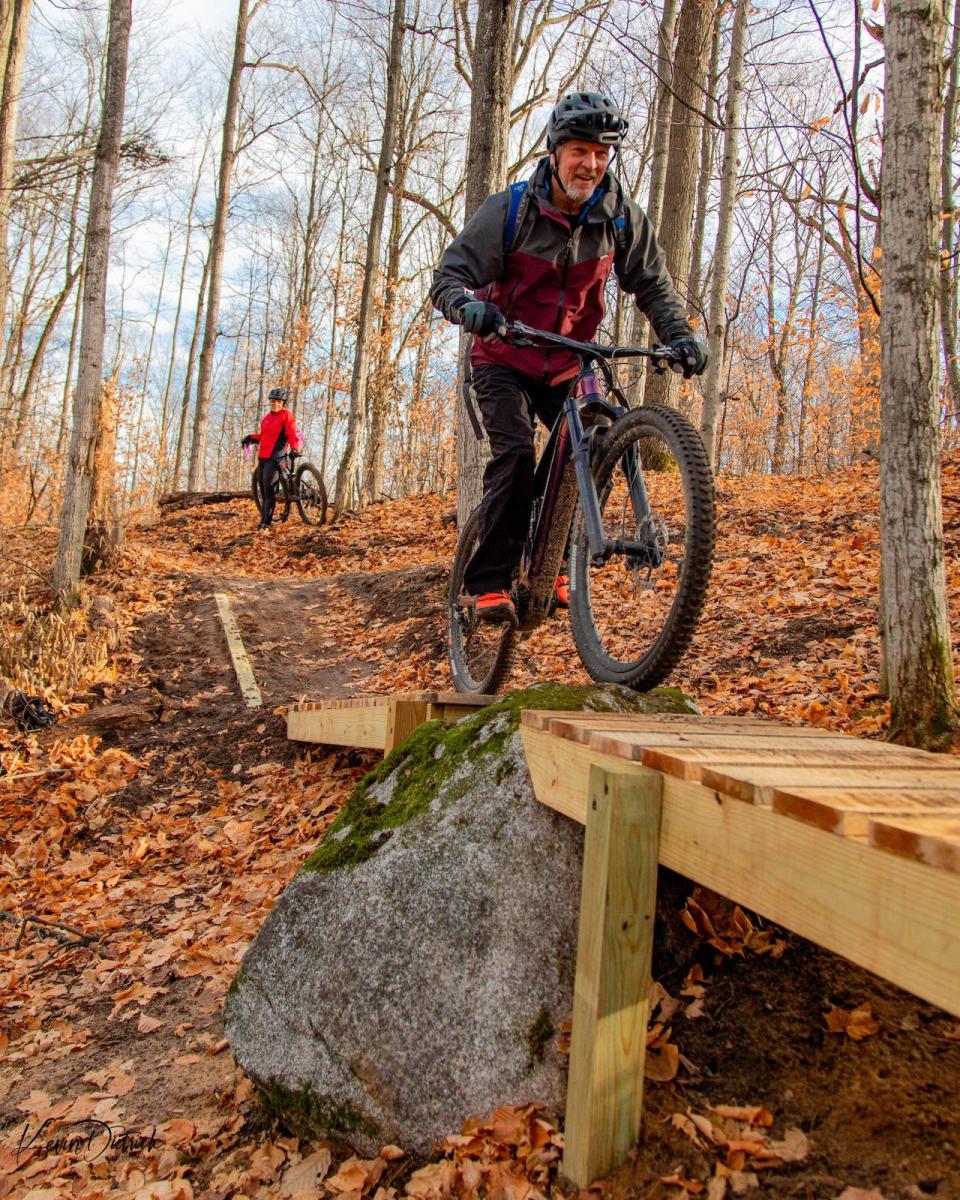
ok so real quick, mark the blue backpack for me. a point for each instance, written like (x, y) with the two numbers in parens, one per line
(515, 209)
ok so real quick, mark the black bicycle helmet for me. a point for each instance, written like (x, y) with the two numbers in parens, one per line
(278, 394)
(588, 117)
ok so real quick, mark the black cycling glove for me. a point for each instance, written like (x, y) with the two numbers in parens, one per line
(694, 356)
(247, 441)
(480, 317)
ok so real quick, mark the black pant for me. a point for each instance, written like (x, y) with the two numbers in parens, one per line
(267, 471)
(508, 404)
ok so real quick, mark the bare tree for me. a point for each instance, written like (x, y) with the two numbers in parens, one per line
(14, 23)
(694, 36)
(361, 361)
(914, 625)
(87, 400)
(716, 321)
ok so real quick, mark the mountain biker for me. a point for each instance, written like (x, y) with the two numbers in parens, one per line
(574, 223)
(278, 434)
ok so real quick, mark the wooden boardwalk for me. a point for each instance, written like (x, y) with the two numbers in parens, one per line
(376, 722)
(852, 844)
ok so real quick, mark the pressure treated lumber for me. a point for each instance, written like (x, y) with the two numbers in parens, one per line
(883, 911)
(756, 785)
(376, 722)
(929, 839)
(241, 664)
(690, 762)
(849, 812)
(611, 1004)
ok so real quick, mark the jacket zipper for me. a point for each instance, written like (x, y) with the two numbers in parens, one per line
(565, 265)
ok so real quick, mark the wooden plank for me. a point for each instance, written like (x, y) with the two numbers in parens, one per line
(886, 913)
(241, 664)
(578, 730)
(630, 746)
(928, 839)
(689, 762)
(449, 713)
(611, 1004)
(756, 785)
(404, 716)
(544, 718)
(849, 813)
(361, 727)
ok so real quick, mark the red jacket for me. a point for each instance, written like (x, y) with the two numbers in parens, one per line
(278, 433)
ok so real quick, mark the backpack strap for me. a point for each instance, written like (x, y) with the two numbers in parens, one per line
(517, 192)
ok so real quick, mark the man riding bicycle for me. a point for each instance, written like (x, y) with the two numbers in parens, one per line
(541, 254)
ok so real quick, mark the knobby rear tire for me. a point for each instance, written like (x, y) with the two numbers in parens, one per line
(495, 672)
(643, 428)
(311, 495)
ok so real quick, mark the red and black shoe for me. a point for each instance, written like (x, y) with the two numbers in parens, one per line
(494, 606)
(561, 591)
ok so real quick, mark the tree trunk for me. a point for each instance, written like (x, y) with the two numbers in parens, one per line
(914, 628)
(638, 331)
(488, 141)
(717, 322)
(949, 273)
(104, 533)
(188, 377)
(361, 360)
(86, 407)
(694, 33)
(218, 238)
(14, 24)
(695, 305)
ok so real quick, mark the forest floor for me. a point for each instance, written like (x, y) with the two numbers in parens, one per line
(159, 819)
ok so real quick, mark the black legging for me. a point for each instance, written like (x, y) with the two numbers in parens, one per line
(267, 471)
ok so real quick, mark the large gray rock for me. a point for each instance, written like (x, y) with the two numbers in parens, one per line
(416, 970)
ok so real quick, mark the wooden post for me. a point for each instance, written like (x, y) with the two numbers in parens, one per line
(405, 716)
(611, 1005)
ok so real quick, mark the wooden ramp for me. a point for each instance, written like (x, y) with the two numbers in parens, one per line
(376, 722)
(852, 844)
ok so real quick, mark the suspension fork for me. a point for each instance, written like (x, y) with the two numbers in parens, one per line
(589, 501)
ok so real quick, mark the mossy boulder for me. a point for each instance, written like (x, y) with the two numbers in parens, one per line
(416, 969)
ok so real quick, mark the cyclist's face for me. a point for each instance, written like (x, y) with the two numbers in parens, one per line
(581, 166)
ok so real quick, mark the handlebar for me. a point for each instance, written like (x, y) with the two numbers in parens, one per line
(518, 334)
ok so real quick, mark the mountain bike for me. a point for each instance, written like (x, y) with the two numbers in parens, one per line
(302, 485)
(626, 497)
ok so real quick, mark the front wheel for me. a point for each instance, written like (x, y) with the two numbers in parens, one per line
(481, 653)
(311, 494)
(634, 615)
(280, 490)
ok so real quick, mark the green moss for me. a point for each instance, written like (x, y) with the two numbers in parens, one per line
(320, 1114)
(538, 1037)
(234, 984)
(434, 752)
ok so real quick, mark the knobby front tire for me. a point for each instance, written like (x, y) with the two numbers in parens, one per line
(282, 509)
(311, 495)
(633, 623)
(481, 653)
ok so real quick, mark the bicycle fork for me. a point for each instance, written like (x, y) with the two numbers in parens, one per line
(643, 552)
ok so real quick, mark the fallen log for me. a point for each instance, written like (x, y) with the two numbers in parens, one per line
(174, 500)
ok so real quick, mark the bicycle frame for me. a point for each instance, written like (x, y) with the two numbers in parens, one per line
(556, 492)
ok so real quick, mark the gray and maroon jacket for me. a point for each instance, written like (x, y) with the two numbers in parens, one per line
(553, 275)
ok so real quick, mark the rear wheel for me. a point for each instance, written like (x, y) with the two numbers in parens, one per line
(311, 495)
(280, 490)
(634, 615)
(481, 653)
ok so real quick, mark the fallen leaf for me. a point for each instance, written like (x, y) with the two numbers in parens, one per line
(306, 1174)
